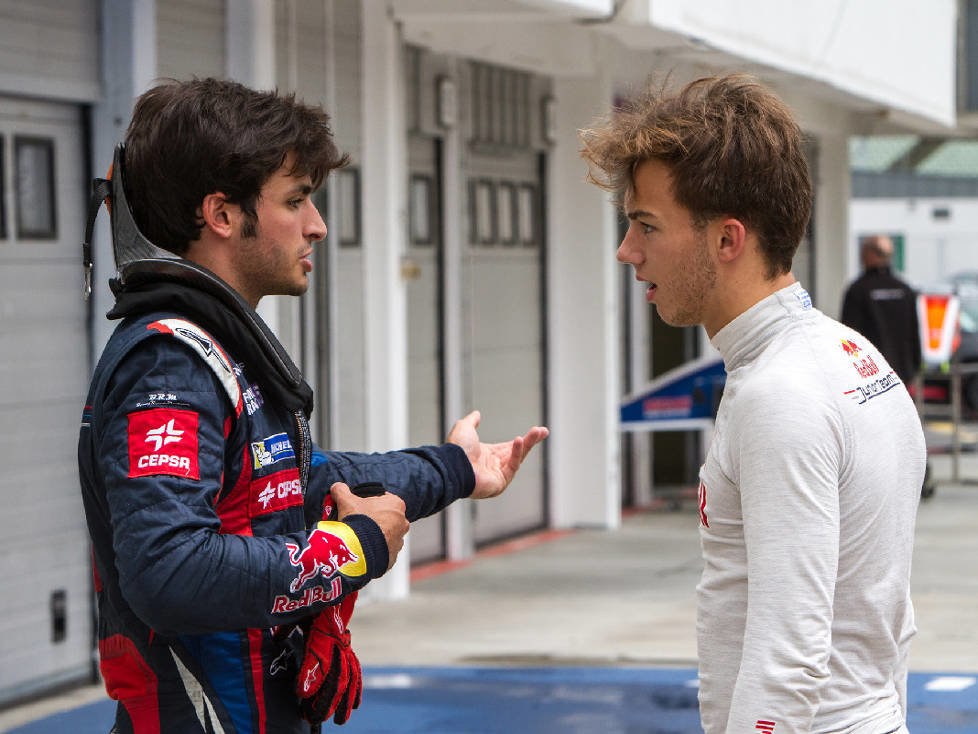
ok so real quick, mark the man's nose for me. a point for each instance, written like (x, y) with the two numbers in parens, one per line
(626, 253)
(317, 227)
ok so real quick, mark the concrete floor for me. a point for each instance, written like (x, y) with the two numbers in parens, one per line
(625, 598)
(591, 597)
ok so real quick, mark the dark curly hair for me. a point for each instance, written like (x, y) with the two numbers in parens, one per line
(188, 139)
(733, 149)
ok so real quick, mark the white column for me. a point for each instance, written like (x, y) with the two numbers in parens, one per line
(249, 27)
(639, 354)
(250, 42)
(128, 51)
(831, 223)
(384, 193)
(459, 539)
(583, 304)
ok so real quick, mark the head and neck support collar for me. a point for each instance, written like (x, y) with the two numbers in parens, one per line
(151, 279)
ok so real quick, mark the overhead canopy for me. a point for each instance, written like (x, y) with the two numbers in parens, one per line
(896, 55)
(890, 60)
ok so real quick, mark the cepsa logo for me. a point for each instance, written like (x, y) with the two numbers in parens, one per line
(163, 441)
(275, 492)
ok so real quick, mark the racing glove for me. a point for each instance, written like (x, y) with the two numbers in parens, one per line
(330, 681)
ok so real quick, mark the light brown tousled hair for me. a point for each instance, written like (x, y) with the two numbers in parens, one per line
(732, 147)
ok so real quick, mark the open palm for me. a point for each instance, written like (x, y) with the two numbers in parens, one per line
(494, 464)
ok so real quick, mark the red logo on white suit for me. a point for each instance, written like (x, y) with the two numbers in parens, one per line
(163, 441)
(702, 503)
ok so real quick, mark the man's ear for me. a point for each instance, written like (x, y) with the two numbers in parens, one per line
(218, 214)
(731, 235)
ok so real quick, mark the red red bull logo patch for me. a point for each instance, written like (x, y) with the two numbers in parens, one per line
(163, 441)
(864, 365)
(275, 492)
(332, 548)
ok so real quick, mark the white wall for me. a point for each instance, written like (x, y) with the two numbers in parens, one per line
(829, 126)
(897, 53)
(384, 165)
(582, 277)
(830, 221)
(129, 65)
(575, 8)
(934, 248)
(49, 49)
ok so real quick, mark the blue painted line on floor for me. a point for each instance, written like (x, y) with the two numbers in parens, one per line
(443, 700)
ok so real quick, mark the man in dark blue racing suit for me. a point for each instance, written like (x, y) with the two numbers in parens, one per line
(219, 533)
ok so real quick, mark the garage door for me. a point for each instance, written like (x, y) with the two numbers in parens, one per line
(45, 604)
(503, 359)
(503, 278)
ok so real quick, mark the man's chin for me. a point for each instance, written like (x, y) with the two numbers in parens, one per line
(292, 289)
(678, 320)
(297, 287)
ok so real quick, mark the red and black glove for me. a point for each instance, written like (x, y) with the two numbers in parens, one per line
(330, 680)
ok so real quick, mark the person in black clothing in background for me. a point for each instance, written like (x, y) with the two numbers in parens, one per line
(883, 308)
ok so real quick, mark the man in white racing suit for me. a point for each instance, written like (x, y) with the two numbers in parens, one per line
(809, 492)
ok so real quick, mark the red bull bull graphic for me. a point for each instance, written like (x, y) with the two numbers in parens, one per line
(850, 348)
(865, 366)
(333, 548)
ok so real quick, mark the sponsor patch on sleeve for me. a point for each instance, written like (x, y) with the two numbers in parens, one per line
(332, 548)
(275, 492)
(163, 441)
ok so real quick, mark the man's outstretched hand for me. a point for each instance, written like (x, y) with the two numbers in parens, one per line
(494, 464)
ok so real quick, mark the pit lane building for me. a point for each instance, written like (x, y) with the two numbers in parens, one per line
(468, 264)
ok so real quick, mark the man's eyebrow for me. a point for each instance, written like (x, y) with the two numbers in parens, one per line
(302, 188)
(637, 213)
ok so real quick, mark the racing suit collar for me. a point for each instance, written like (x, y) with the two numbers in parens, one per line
(183, 287)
